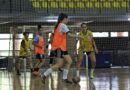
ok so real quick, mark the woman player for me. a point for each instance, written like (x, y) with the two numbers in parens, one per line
(60, 49)
(87, 45)
(38, 43)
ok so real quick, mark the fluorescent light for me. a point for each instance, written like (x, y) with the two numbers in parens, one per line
(128, 19)
(88, 21)
(52, 20)
(3, 23)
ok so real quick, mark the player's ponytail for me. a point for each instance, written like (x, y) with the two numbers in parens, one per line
(60, 18)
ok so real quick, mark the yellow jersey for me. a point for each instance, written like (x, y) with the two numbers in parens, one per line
(25, 47)
(86, 44)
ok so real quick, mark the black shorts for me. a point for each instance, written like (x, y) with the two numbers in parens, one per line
(22, 57)
(88, 52)
(58, 53)
(39, 56)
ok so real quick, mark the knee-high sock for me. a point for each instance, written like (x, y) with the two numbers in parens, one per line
(31, 66)
(92, 70)
(48, 72)
(65, 73)
(77, 73)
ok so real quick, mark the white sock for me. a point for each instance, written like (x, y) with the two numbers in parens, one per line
(65, 73)
(77, 73)
(49, 71)
(92, 70)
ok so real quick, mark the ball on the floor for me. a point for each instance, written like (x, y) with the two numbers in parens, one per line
(76, 80)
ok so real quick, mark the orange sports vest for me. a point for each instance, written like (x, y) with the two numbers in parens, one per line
(59, 41)
(40, 43)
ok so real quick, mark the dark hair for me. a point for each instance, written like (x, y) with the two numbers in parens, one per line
(39, 27)
(24, 33)
(60, 18)
(83, 24)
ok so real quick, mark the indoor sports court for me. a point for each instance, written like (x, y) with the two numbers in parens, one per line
(94, 34)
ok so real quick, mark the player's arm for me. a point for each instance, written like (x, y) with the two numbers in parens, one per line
(74, 35)
(36, 45)
(30, 46)
(75, 45)
(93, 42)
(65, 29)
(23, 45)
(95, 47)
(35, 42)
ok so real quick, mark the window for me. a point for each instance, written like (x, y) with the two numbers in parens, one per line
(5, 36)
(21, 35)
(100, 34)
(119, 34)
(6, 46)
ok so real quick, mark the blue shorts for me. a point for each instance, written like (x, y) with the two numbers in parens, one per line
(39, 56)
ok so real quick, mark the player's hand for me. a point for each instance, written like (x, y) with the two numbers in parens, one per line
(40, 47)
(28, 52)
(96, 51)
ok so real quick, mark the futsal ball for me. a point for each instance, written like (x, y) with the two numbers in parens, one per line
(76, 80)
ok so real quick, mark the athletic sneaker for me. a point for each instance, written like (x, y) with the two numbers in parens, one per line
(43, 79)
(67, 81)
(18, 72)
(60, 69)
(76, 80)
(91, 75)
(31, 70)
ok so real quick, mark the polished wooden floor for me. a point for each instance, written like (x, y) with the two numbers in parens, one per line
(105, 79)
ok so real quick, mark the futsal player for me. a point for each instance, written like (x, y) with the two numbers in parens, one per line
(60, 48)
(25, 52)
(87, 45)
(38, 43)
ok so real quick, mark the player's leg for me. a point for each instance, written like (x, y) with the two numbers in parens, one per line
(52, 55)
(30, 63)
(59, 63)
(93, 64)
(40, 62)
(68, 63)
(78, 64)
(76, 79)
(18, 64)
